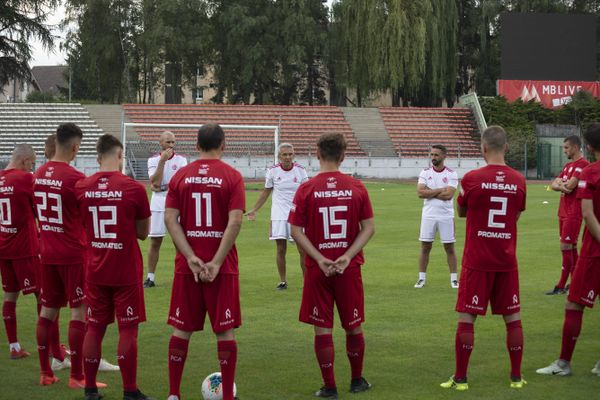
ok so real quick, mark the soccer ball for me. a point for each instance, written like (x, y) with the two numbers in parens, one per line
(212, 389)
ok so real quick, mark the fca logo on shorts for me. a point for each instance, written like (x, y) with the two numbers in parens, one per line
(79, 291)
(355, 313)
(26, 282)
(129, 311)
(475, 300)
(591, 295)
(228, 314)
(315, 312)
(515, 299)
(177, 312)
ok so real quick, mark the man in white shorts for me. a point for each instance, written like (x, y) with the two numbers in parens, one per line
(437, 185)
(161, 168)
(283, 180)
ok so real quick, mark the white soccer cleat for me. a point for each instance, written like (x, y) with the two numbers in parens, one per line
(596, 369)
(58, 366)
(105, 366)
(420, 283)
(557, 368)
(454, 284)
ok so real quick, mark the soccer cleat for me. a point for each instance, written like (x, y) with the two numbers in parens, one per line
(557, 368)
(137, 395)
(47, 380)
(359, 385)
(148, 283)
(92, 394)
(420, 283)
(457, 384)
(556, 290)
(60, 365)
(17, 354)
(173, 397)
(454, 284)
(80, 384)
(327, 393)
(517, 383)
(105, 366)
(596, 369)
(282, 286)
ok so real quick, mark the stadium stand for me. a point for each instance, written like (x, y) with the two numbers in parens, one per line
(33, 122)
(413, 130)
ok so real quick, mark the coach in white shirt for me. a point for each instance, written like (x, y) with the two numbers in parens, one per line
(437, 185)
(161, 168)
(283, 180)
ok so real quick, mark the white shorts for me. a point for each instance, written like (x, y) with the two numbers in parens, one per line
(280, 230)
(430, 226)
(157, 224)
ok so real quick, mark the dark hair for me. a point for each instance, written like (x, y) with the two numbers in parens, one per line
(592, 136)
(573, 140)
(440, 147)
(495, 138)
(107, 144)
(210, 137)
(67, 132)
(331, 146)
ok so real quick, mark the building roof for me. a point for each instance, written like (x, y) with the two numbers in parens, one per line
(50, 78)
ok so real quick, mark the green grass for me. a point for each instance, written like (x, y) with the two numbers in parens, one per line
(409, 333)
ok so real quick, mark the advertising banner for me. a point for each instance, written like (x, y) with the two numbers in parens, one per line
(551, 94)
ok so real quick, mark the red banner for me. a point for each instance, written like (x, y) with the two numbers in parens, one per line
(551, 94)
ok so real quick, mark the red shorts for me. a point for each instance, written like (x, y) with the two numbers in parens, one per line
(21, 274)
(320, 292)
(62, 284)
(585, 283)
(569, 229)
(190, 301)
(477, 288)
(104, 302)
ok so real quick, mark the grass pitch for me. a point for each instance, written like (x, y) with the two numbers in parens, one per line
(409, 333)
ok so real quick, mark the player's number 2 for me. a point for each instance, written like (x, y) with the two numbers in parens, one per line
(330, 220)
(198, 198)
(497, 212)
(53, 202)
(5, 215)
(100, 224)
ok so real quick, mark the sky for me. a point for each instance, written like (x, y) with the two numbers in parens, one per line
(42, 56)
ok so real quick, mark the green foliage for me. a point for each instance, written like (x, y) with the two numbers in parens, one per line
(40, 97)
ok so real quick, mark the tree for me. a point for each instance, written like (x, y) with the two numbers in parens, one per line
(21, 21)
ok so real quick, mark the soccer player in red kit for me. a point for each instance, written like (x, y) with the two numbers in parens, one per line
(62, 252)
(585, 283)
(204, 209)
(569, 209)
(116, 213)
(332, 220)
(492, 199)
(19, 245)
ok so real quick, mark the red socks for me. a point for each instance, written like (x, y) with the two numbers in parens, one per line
(514, 344)
(227, 354)
(42, 332)
(178, 349)
(92, 353)
(76, 337)
(325, 356)
(465, 337)
(569, 259)
(571, 330)
(55, 348)
(355, 349)
(127, 357)
(9, 315)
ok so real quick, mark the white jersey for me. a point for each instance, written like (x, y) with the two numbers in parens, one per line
(172, 165)
(284, 184)
(432, 179)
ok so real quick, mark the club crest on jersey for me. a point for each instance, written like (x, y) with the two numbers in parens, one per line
(203, 170)
(331, 183)
(445, 180)
(570, 169)
(500, 176)
(49, 172)
(174, 167)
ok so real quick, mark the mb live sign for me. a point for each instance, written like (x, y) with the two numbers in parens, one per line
(551, 94)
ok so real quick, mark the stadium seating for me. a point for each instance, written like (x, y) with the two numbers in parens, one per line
(33, 122)
(300, 125)
(413, 130)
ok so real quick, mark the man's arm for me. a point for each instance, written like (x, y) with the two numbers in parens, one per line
(367, 229)
(447, 193)
(142, 228)
(157, 177)
(264, 195)
(424, 193)
(196, 265)
(571, 184)
(591, 222)
(557, 185)
(227, 241)
(304, 242)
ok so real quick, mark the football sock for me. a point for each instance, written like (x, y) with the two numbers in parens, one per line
(92, 353)
(575, 257)
(55, 348)
(514, 344)
(465, 338)
(127, 352)
(178, 349)
(76, 338)
(325, 356)
(227, 354)
(9, 314)
(151, 276)
(39, 308)
(453, 276)
(422, 275)
(567, 267)
(42, 333)
(571, 329)
(355, 348)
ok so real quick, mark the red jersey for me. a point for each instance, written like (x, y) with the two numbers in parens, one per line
(494, 196)
(330, 207)
(204, 192)
(570, 205)
(62, 239)
(110, 204)
(18, 232)
(589, 188)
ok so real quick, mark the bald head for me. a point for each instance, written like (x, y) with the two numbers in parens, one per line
(23, 157)
(167, 140)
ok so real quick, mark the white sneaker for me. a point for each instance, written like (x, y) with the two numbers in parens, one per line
(58, 366)
(105, 366)
(420, 283)
(557, 368)
(596, 369)
(454, 284)
(173, 397)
